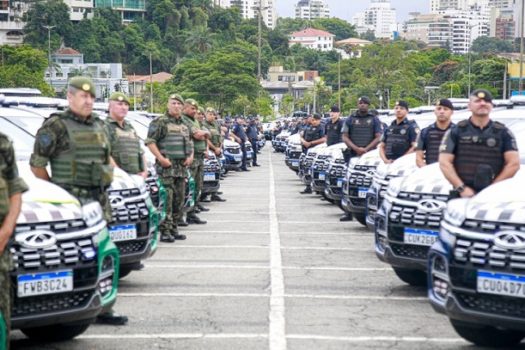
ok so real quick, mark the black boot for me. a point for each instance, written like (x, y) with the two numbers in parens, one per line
(307, 190)
(182, 223)
(112, 318)
(194, 219)
(346, 217)
(216, 198)
(166, 237)
(201, 208)
(176, 235)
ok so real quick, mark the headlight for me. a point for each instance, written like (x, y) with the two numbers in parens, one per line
(394, 187)
(455, 212)
(92, 213)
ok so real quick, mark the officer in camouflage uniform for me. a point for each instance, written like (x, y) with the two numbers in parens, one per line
(11, 188)
(478, 151)
(170, 142)
(199, 142)
(126, 152)
(214, 142)
(76, 145)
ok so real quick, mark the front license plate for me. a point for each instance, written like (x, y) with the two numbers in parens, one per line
(322, 176)
(420, 237)
(501, 284)
(295, 163)
(44, 283)
(339, 182)
(122, 233)
(361, 192)
(209, 177)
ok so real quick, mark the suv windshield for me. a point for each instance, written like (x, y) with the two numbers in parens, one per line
(22, 141)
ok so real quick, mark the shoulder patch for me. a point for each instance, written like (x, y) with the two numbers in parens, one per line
(463, 123)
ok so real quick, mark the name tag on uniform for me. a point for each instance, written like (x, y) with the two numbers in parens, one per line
(174, 128)
(128, 134)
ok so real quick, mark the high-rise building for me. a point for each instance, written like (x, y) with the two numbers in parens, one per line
(380, 18)
(250, 8)
(11, 25)
(79, 8)
(312, 9)
(129, 9)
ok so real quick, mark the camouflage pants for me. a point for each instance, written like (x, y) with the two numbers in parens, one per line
(197, 172)
(5, 296)
(174, 182)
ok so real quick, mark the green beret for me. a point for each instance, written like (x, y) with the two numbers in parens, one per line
(83, 84)
(177, 97)
(119, 97)
(201, 110)
(192, 102)
(210, 110)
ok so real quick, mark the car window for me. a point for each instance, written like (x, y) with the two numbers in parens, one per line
(31, 124)
(22, 141)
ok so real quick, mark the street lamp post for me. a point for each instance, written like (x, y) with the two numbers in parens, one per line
(150, 83)
(259, 37)
(49, 49)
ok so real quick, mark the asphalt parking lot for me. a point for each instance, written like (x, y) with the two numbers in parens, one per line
(272, 269)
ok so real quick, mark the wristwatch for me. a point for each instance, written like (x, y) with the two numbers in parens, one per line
(460, 188)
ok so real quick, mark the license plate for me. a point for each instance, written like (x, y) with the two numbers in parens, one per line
(122, 233)
(361, 192)
(501, 284)
(44, 283)
(322, 176)
(295, 163)
(238, 158)
(339, 182)
(420, 237)
(209, 177)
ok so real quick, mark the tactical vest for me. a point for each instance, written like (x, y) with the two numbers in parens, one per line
(199, 146)
(86, 162)
(362, 131)
(4, 199)
(126, 151)
(398, 140)
(312, 133)
(215, 133)
(333, 132)
(173, 146)
(473, 151)
(434, 137)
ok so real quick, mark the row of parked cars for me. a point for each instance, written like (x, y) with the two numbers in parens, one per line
(469, 253)
(67, 259)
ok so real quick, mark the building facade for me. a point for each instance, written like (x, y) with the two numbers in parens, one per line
(311, 38)
(250, 8)
(312, 9)
(380, 18)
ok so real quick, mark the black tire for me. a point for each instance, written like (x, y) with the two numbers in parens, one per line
(488, 336)
(56, 332)
(361, 218)
(415, 278)
(124, 271)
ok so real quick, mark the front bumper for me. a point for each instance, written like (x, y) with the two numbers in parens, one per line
(211, 186)
(334, 188)
(462, 302)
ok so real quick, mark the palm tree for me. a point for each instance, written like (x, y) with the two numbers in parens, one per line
(80, 71)
(200, 39)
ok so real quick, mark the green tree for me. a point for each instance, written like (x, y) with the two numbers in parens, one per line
(485, 44)
(339, 27)
(200, 39)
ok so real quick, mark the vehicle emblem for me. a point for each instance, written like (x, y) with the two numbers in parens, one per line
(510, 240)
(38, 239)
(116, 201)
(431, 205)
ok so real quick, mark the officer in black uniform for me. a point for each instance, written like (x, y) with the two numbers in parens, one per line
(429, 139)
(361, 131)
(334, 127)
(479, 151)
(312, 136)
(400, 137)
(240, 133)
(253, 132)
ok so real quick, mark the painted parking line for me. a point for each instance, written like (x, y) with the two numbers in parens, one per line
(277, 327)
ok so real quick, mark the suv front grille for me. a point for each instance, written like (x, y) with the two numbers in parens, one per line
(130, 212)
(484, 254)
(497, 305)
(417, 196)
(233, 150)
(50, 303)
(411, 251)
(490, 226)
(71, 253)
(57, 227)
(126, 193)
(412, 217)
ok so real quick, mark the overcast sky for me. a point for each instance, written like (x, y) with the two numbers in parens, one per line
(345, 9)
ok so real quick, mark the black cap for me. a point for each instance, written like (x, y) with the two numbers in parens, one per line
(316, 116)
(334, 109)
(482, 94)
(403, 104)
(364, 99)
(445, 102)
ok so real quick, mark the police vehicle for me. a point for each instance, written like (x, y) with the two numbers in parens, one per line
(293, 152)
(408, 222)
(335, 173)
(65, 265)
(319, 170)
(279, 142)
(307, 161)
(232, 155)
(477, 266)
(212, 173)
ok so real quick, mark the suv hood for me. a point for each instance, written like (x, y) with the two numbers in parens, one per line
(295, 140)
(45, 201)
(428, 179)
(230, 144)
(370, 158)
(403, 166)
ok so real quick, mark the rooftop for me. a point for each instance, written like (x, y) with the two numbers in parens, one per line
(311, 32)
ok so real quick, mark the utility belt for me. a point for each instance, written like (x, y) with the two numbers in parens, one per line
(198, 155)
(86, 192)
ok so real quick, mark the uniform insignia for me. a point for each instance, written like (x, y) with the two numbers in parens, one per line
(86, 87)
(44, 141)
(402, 131)
(481, 95)
(442, 147)
(152, 128)
(491, 142)
(120, 98)
(369, 121)
(475, 139)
